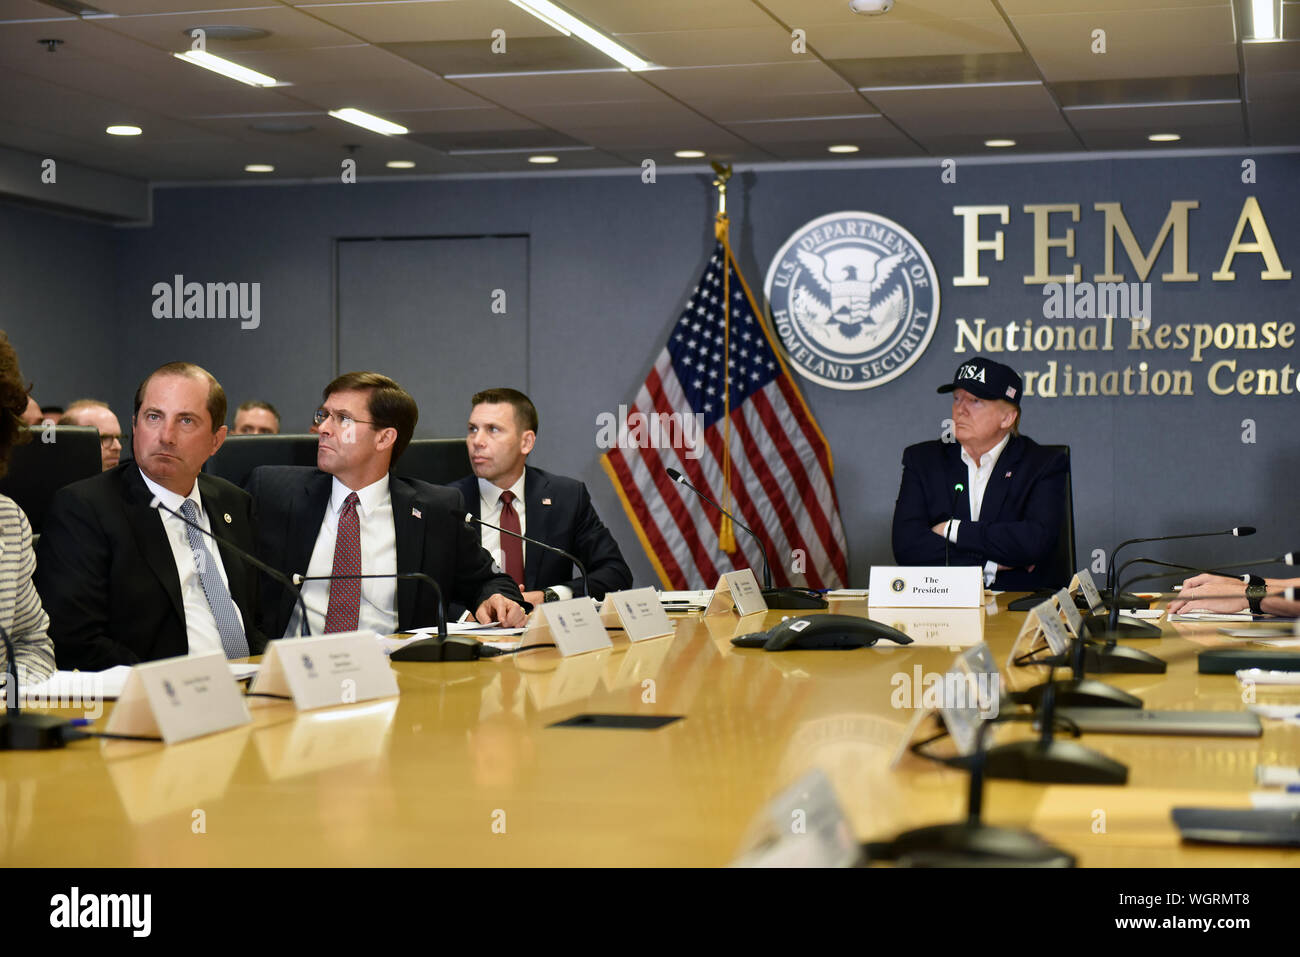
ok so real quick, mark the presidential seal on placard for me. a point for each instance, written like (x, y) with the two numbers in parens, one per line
(854, 298)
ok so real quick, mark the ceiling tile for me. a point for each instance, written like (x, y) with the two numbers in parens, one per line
(732, 81)
(525, 54)
(926, 38)
(1157, 119)
(623, 16)
(434, 20)
(551, 88)
(1210, 136)
(1147, 90)
(723, 47)
(929, 70)
(985, 111)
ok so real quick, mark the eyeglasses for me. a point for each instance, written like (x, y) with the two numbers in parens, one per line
(345, 421)
(106, 439)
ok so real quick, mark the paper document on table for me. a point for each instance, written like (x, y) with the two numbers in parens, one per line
(1261, 677)
(1290, 713)
(1276, 800)
(1144, 614)
(847, 593)
(469, 628)
(105, 685)
(1212, 616)
(686, 600)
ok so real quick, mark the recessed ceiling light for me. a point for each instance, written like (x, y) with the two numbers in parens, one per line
(1262, 22)
(123, 130)
(400, 164)
(259, 168)
(842, 148)
(999, 144)
(363, 119)
(226, 68)
(543, 159)
(1164, 137)
(689, 154)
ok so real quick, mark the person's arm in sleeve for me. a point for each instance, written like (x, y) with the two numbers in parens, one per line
(593, 543)
(914, 540)
(33, 650)
(72, 572)
(1025, 541)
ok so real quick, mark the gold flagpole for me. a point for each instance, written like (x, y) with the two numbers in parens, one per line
(721, 230)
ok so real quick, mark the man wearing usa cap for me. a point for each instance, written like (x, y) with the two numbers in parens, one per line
(993, 497)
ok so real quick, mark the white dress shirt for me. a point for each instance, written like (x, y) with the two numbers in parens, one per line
(977, 481)
(200, 626)
(489, 510)
(378, 557)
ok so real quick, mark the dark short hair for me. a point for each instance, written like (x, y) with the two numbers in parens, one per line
(216, 394)
(525, 411)
(13, 403)
(252, 404)
(387, 403)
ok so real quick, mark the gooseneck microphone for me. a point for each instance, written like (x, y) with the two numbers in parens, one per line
(472, 519)
(1112, 572)
(26, 732)
(952, 511)
(299, 580)
(775, 597)
(253, 560)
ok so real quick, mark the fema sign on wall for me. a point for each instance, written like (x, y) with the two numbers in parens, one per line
(854, 298)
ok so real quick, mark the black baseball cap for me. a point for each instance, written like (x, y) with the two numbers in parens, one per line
(986, 379)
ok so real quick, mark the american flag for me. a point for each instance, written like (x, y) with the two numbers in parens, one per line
(781, 475)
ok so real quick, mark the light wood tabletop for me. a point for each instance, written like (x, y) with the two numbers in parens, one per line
(465, 768)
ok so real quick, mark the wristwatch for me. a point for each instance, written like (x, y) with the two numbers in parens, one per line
(550, 594)
(1255, 592)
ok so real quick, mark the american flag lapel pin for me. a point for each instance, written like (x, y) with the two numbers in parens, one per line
(1008, 475)
(415, 512)
(546, 501)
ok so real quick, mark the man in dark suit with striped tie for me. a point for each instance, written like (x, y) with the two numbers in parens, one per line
(125, 582)
(351, 516)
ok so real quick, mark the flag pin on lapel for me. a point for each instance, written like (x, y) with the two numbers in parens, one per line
(416, 512)
(546, 501)
(227, 518)
(1008, 475)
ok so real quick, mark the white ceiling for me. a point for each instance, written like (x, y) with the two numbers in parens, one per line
(933, 77)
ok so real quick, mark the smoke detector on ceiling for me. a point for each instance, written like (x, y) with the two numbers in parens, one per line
(871, 8)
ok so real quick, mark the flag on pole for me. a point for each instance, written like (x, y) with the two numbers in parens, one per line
(759, 451)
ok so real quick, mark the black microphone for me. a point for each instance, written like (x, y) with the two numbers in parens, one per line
(775, 597)
(473, 519)
(1112, 573)
(952, 511)
(253, 560)
(26, 732)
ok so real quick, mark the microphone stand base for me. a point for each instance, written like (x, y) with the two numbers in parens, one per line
(442, 648)
(1079, 693)
(968, 845)
(1127, 600)
(1052, 762)
(32, 732)
(801, 598)
(1098, 628)
(1103, 659)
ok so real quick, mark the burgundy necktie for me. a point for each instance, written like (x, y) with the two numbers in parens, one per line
(512, 549)
(345, 594)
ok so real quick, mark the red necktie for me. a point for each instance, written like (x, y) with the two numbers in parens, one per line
(345, 595)
(512, 549)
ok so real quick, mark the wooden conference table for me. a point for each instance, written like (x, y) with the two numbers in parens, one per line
(464, 770)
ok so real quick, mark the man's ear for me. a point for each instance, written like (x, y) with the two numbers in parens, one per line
(218, 438)
(527, 441)
(385, 439)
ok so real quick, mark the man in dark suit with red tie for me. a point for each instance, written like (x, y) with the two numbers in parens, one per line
(505, 491)
(1006, 516)
(350, 516)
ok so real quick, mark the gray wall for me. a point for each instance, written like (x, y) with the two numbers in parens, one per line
(611, 260)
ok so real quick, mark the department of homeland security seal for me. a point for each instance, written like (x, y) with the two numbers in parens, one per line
(854, 298)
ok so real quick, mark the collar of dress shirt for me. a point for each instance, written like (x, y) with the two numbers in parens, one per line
(368, 498)
(170, 498)
(492, 495)
(989, 458)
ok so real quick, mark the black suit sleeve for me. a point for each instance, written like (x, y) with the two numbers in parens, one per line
(1028, 539)
(73, 570)
(593, 543)
(915, 516)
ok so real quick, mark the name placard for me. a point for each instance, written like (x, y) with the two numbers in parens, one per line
(1073, 620)
(1042, 624)
(178, 699)
(640, 613)
(803, 826)
(326, 671)
(738, 591)
(575, 625)
(1082, 581)
(926, 586)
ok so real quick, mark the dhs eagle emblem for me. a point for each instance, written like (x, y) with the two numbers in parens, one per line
(854, 298)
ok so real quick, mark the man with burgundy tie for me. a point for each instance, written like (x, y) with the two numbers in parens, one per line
(350, 516)
(520, 498)
(124, 581)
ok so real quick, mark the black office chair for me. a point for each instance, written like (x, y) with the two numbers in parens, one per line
(1061, 565)
(434, 460)
(240, 454)
(39, 469)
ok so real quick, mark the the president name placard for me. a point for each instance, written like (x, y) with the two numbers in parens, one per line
(923, 586)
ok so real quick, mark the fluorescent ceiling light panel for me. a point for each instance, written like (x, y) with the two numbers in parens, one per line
(570, 25)
(232, 70)
(1262, 22)
(366, 121)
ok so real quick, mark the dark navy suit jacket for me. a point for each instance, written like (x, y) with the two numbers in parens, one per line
(289, 505)
(1020, 516)
(569, 522)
